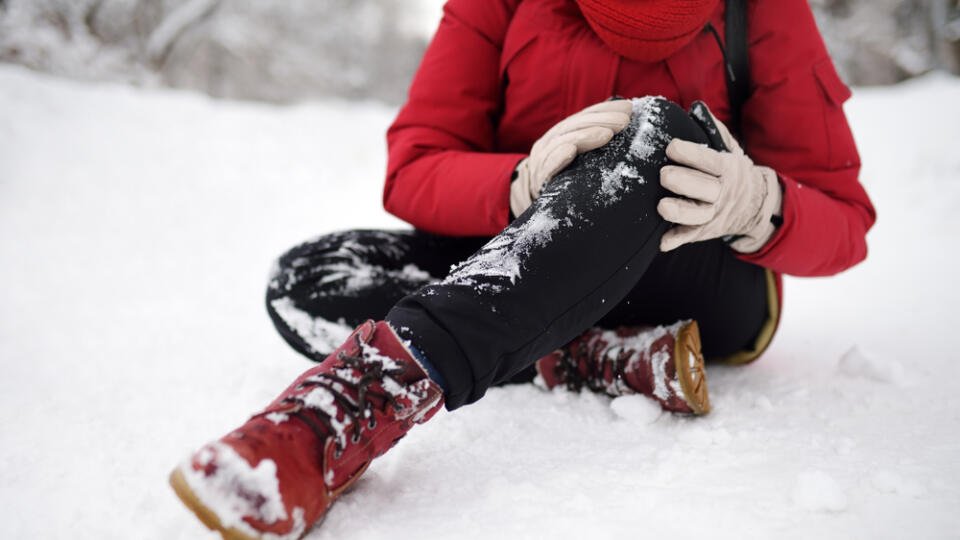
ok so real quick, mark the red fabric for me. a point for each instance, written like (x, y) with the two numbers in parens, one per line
(499, 73)
(646, 30)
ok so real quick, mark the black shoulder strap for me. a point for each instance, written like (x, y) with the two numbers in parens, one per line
(738, 64)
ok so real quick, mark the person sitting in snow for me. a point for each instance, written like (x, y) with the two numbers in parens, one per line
(593, 240)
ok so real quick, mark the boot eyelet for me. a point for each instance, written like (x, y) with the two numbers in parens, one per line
(337, 452)
(372, 423)
(355, 438)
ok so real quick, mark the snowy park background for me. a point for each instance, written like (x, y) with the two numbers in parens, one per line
(137, 228)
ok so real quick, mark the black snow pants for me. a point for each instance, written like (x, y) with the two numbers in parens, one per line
(586, 253)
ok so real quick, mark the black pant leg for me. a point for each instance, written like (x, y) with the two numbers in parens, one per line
(323, 288)
(558, 268)
(704, 281)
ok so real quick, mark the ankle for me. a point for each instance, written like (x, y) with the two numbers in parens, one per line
(427, 366)
(406, 338)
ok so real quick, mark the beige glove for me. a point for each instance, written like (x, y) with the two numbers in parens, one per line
(726, 195)
(586, 130)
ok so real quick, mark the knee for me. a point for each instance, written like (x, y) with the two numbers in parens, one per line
(657, 120)
(309, 258)
(657, 106)
(625, 171)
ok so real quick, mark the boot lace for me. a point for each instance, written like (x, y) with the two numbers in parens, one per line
(354, 375)
(584, 365)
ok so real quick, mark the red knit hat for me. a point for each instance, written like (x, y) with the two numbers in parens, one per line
(647, 30)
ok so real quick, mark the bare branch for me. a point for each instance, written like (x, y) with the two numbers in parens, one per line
(163, 37)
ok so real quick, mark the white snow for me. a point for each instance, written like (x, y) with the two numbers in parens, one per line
(502, 256)
(890, 482)
(701, 115)
(817, 491)
(857, 363)
(320, 334)
(643, 341)
(650, 134)
(321, 399)
(612, 181)
(276, 417)
(236, 489)
(136, 233)
(636, 408)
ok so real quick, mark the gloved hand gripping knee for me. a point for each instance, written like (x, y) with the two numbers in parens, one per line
(722, 193)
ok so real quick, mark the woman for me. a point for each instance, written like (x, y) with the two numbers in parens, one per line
(606, 216)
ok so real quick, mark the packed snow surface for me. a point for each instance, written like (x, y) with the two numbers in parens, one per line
(137, 233)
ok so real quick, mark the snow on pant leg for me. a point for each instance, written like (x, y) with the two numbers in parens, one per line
(704, 281)
(558, 268)
(323, 288)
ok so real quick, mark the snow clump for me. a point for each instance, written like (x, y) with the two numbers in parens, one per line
(890, 482)
(235, 489)
(817, 491)
(856, 363)
(636, 408)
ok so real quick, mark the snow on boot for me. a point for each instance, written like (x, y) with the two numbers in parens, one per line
(664, 363)
(276, 476)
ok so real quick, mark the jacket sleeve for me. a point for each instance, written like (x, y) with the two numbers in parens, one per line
(442, 173)
(794, 123)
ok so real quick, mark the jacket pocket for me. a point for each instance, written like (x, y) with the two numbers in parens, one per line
(842, 151)
(833, 88)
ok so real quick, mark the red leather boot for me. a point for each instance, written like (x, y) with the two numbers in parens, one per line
(664, 363)
(276, 476)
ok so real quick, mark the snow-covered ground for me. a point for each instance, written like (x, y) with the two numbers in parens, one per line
(136, 232)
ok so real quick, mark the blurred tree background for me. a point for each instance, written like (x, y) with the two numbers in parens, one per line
(886, 41)
(368, 49)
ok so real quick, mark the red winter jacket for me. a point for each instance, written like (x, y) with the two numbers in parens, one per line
(499, 73)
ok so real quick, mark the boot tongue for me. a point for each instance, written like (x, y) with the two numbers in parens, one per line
(365, 331)
(647, 30)
(380, 343)
(388, 343)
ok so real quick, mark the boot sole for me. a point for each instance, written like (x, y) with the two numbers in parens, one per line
(691, 372)
(204, 514)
